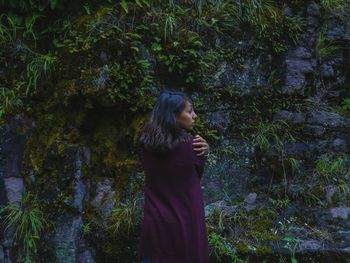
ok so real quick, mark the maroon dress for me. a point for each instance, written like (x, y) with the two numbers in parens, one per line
(173, 228)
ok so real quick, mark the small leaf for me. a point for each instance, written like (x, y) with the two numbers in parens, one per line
(125, 6)
(156, 47)
(288, 239)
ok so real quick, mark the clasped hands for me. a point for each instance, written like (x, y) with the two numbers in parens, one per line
(200, 146)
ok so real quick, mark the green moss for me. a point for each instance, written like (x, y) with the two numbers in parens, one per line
(48, 130)
(242, 248)
(263, 250)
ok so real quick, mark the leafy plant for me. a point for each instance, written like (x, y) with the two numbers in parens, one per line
(331, 169)
(273, 137)
(294, 164)
(36, 68)
(129, 81)
(10, 98)
(123, 217)
(170, 24)
(334, 4)
(11, 23)
(86, 228)
(256, 10)
(202, 127)
(280, 203)
(221, 247)
(5, 32)
(346, 104)
(324, 47)
(27, 221)
(291, 243)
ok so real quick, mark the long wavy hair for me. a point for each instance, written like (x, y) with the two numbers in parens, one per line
(163, 132)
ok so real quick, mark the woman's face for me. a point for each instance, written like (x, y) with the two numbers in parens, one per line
(187, 116)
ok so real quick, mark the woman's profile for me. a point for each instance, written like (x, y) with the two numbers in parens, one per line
(173, 228)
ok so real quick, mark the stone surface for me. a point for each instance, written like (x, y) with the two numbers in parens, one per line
(313, 9)
(296, 71)
(330, 191)
(221, 206)
(252, 74)
(103, 201)
(69, 241)
(251, 198)
(340, 212)
(291, 117)
(309, 245)
(14, 188)
(79, 185)
(85, 257)
(336, 31)
(345, 236)
(327, 70)
(314, 130)
(2, 255)
(322, 146)
(298, 149)
(13, 144)
(328, 119)
(219, 120)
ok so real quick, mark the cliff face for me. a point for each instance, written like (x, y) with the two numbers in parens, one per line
(270, 82)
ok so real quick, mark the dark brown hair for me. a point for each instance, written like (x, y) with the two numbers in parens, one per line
(163, 132)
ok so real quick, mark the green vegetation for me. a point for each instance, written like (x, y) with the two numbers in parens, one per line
(241, 231)
(86, 228)
(27, 221)
(346, 104)
(222, 248)
(330, 169)
(87, 73)
(271, 138)
(172, 32)
(335, 4)
(10, 99)
(123, 218)
(324, 47)
(333, 169)
(291, 243)
(37, 67)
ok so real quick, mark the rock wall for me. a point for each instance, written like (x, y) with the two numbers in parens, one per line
(273, 108)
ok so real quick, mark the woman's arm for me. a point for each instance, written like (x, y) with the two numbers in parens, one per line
(200, 151)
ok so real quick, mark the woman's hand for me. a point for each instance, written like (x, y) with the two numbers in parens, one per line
(200, 145)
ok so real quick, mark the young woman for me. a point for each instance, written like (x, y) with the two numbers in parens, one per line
(173, 228)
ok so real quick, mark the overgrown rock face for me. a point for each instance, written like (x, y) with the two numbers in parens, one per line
(270, 84)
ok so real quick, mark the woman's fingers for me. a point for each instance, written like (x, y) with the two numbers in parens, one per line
(196, 144)
(198, 138)
(199, 141)
(201, 150)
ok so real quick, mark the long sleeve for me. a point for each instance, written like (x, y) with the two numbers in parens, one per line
(199, 161)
